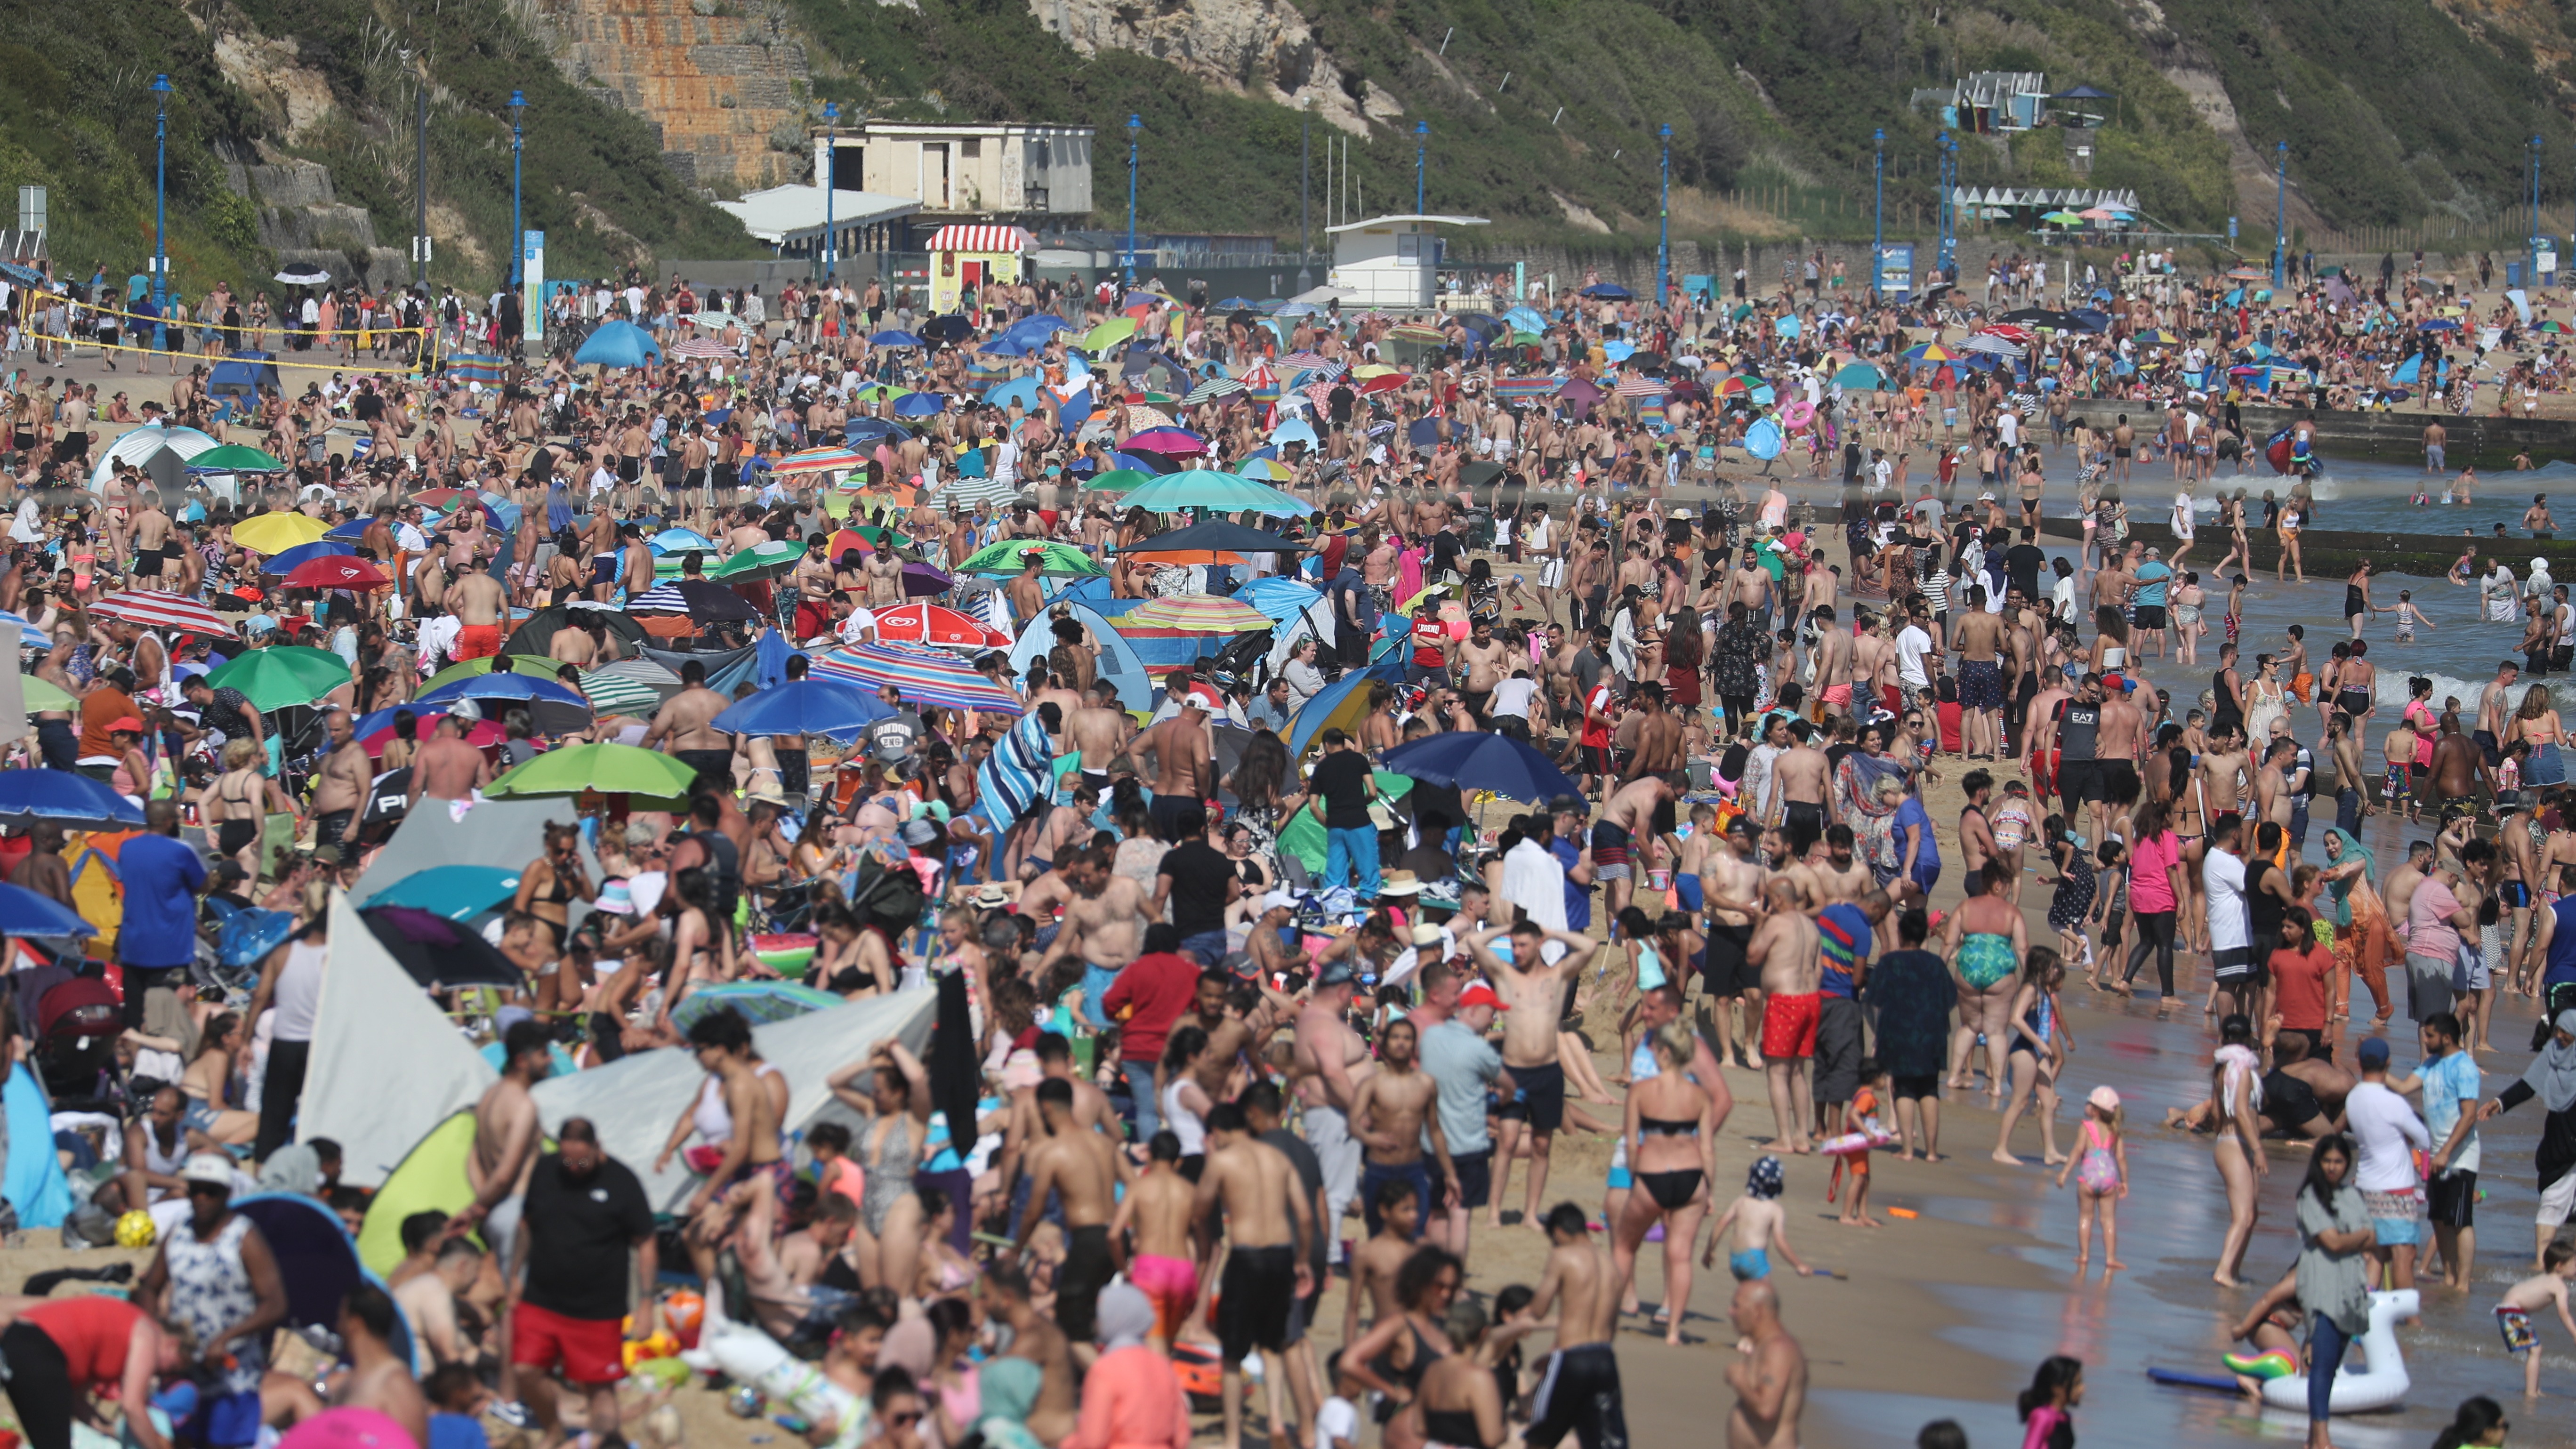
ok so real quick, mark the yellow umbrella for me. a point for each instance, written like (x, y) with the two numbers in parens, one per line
(277, 532)
(1108, 334)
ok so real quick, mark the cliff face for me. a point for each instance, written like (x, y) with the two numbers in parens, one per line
(722, 81)
(1252, 47)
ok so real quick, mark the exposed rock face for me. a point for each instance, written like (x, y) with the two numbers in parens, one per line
(720, 80)
(1255, 47)
(302, 219)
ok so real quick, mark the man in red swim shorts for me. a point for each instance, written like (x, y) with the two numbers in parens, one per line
(1785, 950)
(477, 641)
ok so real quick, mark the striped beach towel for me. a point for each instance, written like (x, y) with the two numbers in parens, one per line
(1525, 389)
(1015, 774)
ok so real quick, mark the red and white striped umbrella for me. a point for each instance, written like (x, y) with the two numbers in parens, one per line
(820, 460)
(924, 623)
(699, 347)
(162, 611)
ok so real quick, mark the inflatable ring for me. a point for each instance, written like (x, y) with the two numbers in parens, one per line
(1798, 414)
(2273, 1365)
(2381, 1384)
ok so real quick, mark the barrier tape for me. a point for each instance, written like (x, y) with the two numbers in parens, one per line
(95, 309)
(376, 365)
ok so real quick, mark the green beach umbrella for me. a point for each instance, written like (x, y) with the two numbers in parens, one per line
(1118, 480)
(519, 664)
(279, 678)
(762, 561)
(609, 769)
(1063, 561)
(235, 458)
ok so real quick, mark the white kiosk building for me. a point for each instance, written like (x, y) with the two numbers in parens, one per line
(1390, 261)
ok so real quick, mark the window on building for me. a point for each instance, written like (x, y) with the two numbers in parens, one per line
(1408, 248)
(970, 150)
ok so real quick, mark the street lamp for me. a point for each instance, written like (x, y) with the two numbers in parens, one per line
(1878, 225)
(2280, 210)
(160, 203)
(2531, 269)
(1948, 208)
(1135, 129)
(1421, 156)
(518, 141)
(1664, 222)
(831, 163)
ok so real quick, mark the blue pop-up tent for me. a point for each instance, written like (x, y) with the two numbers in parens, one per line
(619, 344)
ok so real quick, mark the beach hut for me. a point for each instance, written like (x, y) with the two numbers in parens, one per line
(970, 255)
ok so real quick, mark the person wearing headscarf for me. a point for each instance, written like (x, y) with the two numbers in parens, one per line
(1130, 1399)
(2552, 1078)
(1010, 1389)
(2361, 944)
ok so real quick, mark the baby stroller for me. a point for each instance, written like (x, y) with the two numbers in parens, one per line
(77, 1023)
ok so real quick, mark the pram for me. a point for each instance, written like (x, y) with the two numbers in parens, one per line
(77, 1023)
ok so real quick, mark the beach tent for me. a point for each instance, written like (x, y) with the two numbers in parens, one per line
(388, 1066)
(506, 833)
(634, 1101)
(618, 344)
(33, 1181)
(317, 1261)
(243, 376)
(1118, 661)
(430, 1176)
(98, 888)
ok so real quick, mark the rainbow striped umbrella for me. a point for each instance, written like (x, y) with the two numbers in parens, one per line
(922, 676)
(1200, 613)
(1525, 389)
(1930, 352)
(820, 460)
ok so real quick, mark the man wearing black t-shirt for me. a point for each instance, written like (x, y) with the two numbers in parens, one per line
(2023, 561)
(1345, 783)
(585, 1212)
(1198, 882)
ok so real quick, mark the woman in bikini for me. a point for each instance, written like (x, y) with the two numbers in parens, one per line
(2236, 1085)
(2111, 640)
(236, 804)
(702, 953)
(209, 1086)
(554, 880)
(2536, 723)
(1391, 1358)
(1984, 940)
(1672, 1141)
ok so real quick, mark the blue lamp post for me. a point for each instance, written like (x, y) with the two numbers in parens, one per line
(1878, 223)
(831, 163)
(1135, 128)
(1664, 222)
(2531, 269)
(1947, 211)
(2280, 210)
(518, 141)
(1421, 158)
(160, 203)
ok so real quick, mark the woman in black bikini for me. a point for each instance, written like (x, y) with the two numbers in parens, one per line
(1461, 1402)
(1671, 1131)
(236, 804)
(551, 882)
(1393, 1355)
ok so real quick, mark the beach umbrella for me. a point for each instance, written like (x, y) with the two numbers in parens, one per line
(1199, 613)
(1212, 389)
(2437, 324)
(607, 768)
(301, 274)
(774, 559)
(278, 532)
(933, 677)
(2062, 218)
(1206, 488)
(1152, 465)
(629, 687)
(1473, 760)
(476, 668)
(39, 917)
(453, 892)
(938, 626)
(162, 611)
(681, 540)
(1169, 441)
(819, 460)
(1860, 377)
(1215, 541)
(873, 430)
(1991, 344)
(304, 553)
(1930, 352)
(1296, 430)
(278, 678)
(1108, 334)
(892, 337)
(693, 598)
(1023, 391)
(805, 707)
(553, 708)
(1338, 705)
(1117, 480)
(235, 458)
(618, 344)
(1278, 597)
(335, 573)
(921, 405)
(436, 951)
(1060, 561)
(700, 348)
(74, 802)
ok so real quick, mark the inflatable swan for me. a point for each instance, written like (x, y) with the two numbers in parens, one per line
(749, 1356)
(2380, 1385)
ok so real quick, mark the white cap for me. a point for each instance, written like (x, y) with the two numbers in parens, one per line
(1279, 901)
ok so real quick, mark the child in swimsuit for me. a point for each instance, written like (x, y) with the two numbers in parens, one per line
(2545, 1289)
(1760, 1225)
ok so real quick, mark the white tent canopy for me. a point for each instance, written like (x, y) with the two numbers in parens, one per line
(633, 1102)
(387, 1063)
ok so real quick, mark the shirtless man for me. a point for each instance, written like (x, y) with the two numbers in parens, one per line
(446, 768)
(1730, 886)
(478, 602)
(1833, 660)
(2456, 766)
(1770, 1382)
(1785, 951)
(1228, 1035)
(1330, 1064)
(342, 788)
(1580, 1376)
(378, 1378)
(1980, 638)
(1658, 753)
(1184, 760)
(1036, 1338)
(1484, 661)
(1082, 1170)
(1103, 926)
(1391, 1116)
(1873, 664)
(1249, 1181)
(505, 1152)
(151, 530)
(1534, 991)
(1099, 729)
(1153, 1230)
(1802, 777)
(1027, 596)
(681, 727)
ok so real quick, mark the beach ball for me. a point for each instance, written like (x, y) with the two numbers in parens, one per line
(134, 1230)
(682, 1312)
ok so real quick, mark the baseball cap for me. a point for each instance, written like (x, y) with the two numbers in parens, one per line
(2373, 1052)
(1337, 973)
(1279, 901)
(1479, 994)
(327, 853)
(211, 1168)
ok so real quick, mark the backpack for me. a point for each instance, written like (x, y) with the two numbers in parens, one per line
(887, 896)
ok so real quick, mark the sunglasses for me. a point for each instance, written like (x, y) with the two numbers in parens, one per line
(912, 1418)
